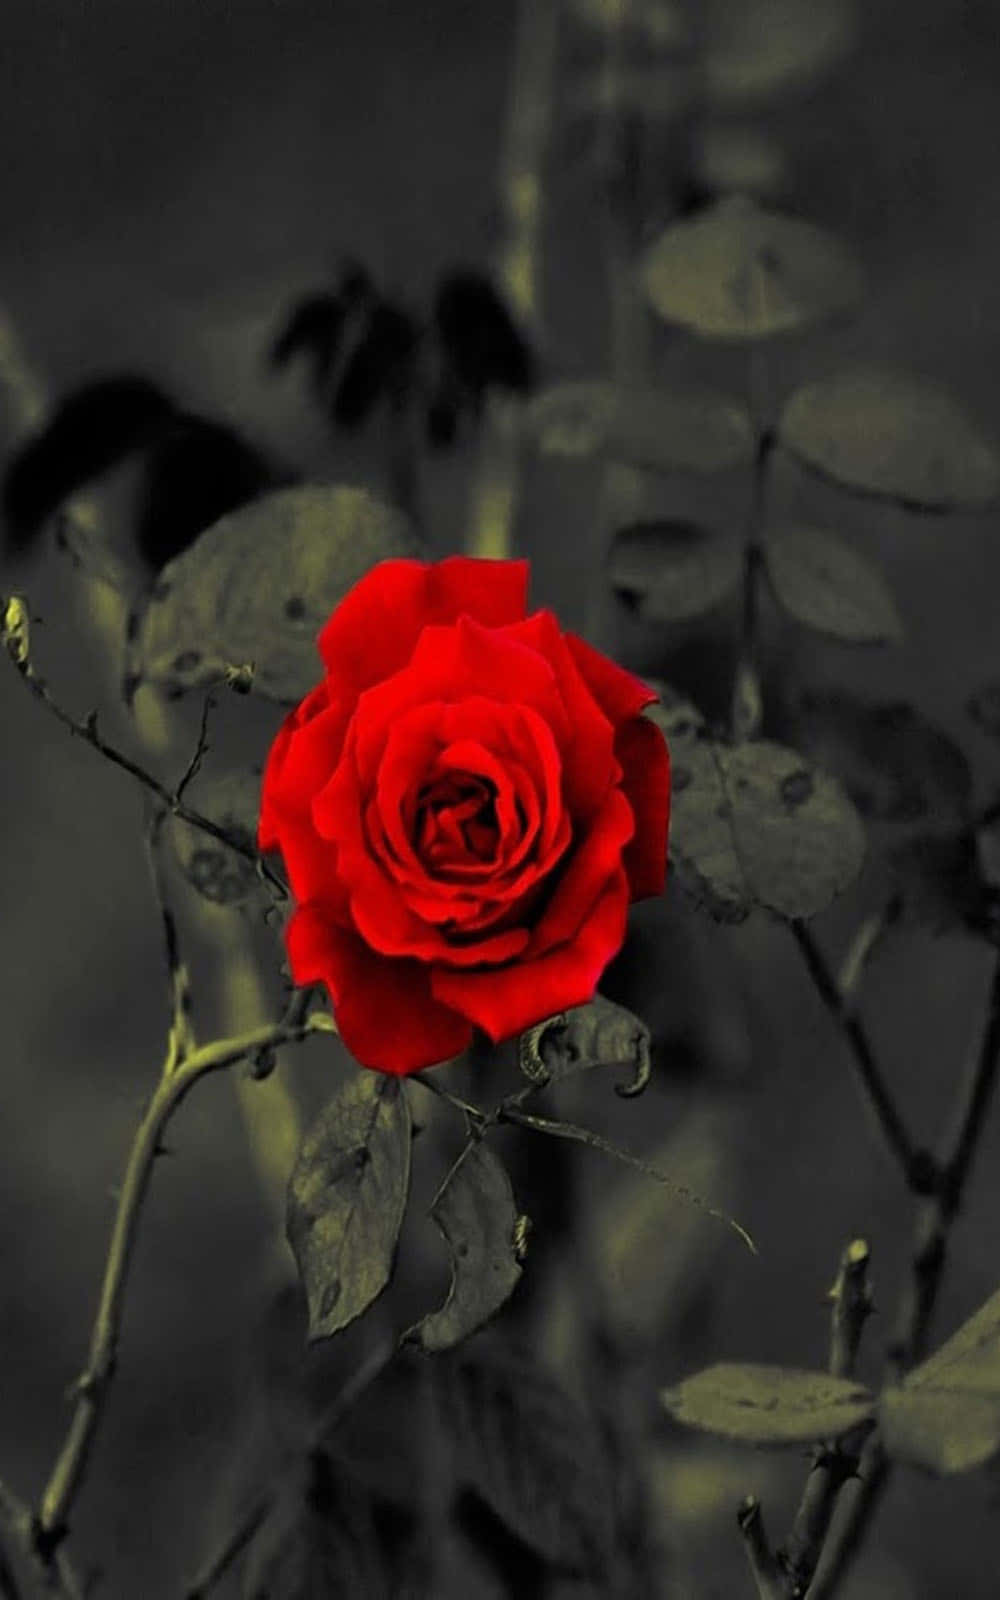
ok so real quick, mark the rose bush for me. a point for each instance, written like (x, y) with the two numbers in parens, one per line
(466, 805)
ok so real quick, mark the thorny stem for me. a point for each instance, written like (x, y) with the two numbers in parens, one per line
(833, 1464)
(874, 1089)
(93, 1385)
(930, 1247)
(171, 800)
(763, 1566)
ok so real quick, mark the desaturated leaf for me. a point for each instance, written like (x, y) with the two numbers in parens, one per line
(769, 1405)
(736, 271)
(259, 584)
(946, 1415)
(600, 1033)
(757, 50)
(220, 874)
(347, 1197)
(664, 429)
(678, 719)
(538, 1461)
(662, 22)
(892, 435)
(476, 1213)
(671, 571)
(757, 825)
(896, 766)
(320, 1538)
(823, 583)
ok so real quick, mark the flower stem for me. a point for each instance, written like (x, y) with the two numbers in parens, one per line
(92, 1387)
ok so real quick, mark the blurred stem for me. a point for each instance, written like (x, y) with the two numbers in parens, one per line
(934, 1221)
(518, 263)
(747, 701)
(886, 1118)
(763, 1566)
(92, 1387)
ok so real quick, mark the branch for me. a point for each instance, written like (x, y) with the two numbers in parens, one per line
(181, 1039)
(93, 1385)
(833, 1464)
(929, 1257)
(765, 1569)
(14, 634)
(873, 1087)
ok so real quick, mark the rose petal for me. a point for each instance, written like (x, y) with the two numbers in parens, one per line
(645, 761)
(507, 1001)
(375, 628)
(596, 857)
(386, 1013)
(619, 694)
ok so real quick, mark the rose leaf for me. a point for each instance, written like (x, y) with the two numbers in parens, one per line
(218, 873)
(671, 571)
(347, 1197)
(684, 429)
(945, 1416)
(769, 1405)
(737, 271)
(532, 1455)
(600, 1033)
(258, 586)
(756, 824)
(820, 581)
(475, 1212)
(894, 436)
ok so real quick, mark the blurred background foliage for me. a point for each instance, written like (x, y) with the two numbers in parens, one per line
(177, 175)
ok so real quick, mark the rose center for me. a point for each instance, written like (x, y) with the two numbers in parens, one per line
(456, 821)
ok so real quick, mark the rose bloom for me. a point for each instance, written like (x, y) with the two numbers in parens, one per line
(466, 805)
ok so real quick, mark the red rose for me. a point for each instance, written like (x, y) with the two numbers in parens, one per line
(465, 805)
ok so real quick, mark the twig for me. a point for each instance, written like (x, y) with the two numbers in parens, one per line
(874, 1090)
(861, 950)
(219, 1563)
(194, 765)
(181, 1039)
(14, 634)
(834, 1464)
(930, 1249)
(765, 1569)
(92, 1387)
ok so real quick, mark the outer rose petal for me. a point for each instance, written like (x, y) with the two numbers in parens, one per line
(386, 1014)
(304, 754)
(645, 761)
(507, 1000)
(374, 630)
(619, 694)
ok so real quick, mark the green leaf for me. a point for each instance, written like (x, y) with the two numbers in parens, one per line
(758, 50)
(347, 1197)
(736, 271)
(475, 1212)
(532, 1455)
(946, 1415)
(598, 1034)
(258, 585)
(892, 435)
(769, 1405)
(757, 825)
(896, 766)
(823, 583)
(671, 571)
(689, 429)
(320, 1538)
(219, 874)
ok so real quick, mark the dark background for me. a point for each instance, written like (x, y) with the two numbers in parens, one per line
(173, 171)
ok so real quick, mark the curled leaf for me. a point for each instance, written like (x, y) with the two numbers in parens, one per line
(600, 1033)
(475, 1212)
